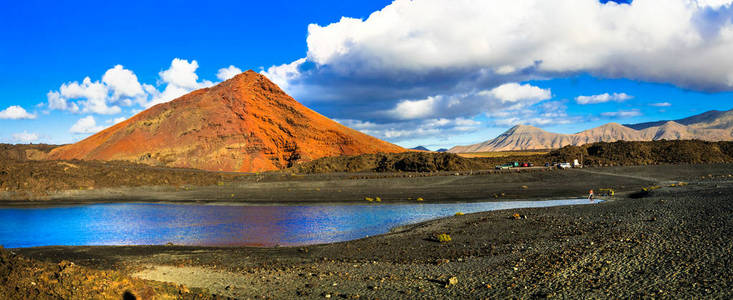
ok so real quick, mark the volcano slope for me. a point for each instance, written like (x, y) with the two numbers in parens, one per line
(244, 124)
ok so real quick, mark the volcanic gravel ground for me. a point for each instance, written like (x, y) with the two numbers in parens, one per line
(673, 242)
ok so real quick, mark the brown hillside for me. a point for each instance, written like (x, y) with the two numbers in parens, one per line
(243, 124)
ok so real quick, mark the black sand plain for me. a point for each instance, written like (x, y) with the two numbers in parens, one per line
(670, 242)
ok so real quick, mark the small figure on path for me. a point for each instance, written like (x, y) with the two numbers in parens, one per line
(590, 195)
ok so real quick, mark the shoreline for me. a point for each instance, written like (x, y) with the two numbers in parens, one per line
(53, 204)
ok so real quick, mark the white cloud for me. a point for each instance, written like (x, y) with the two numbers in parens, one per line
(56, 101)
(420, 49)
(181, 73)
(16, 112)
(622, 114)
(661, 104)
(542, 114)
(122, 82)
(180, 79)
(715, 3)
(401, 131)
(514, 92)
(25, 137)
(506, 96)
(419, 60)
(115, 120)
(415, 109)
(118, 86)
(283, 74)
(228, 72)
(95, 96)
(602, 98)
(85, 125)
(670, 41)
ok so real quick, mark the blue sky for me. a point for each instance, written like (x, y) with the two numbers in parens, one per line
(411, 72)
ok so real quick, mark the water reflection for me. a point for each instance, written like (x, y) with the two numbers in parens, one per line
(214, 225)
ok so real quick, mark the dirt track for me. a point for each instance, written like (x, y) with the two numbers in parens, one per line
(672, 243)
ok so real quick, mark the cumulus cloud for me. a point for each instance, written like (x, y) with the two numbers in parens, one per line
(414, 109)
(181, 73)
(622, 113)
(56, 101)
(115, 120)
(542, 114)
(401, 131)
(85, 125)
(514, 92)
(228, 72)
(602, 98)
(122, 82)
(661, 104)
(715, 3)
(179, 79)
(16, 112)
(416, 59)
(118, 86)
(95, 96)
(655, 40)
(283, 74)
(506, 96)
(25, 137)
(121, 87)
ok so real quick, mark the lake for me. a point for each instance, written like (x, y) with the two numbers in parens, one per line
(222, 225)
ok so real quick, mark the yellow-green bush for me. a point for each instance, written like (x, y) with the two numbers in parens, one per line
(651, 188)
(443, 238)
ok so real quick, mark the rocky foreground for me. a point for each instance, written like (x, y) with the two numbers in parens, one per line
(669, 242)
(22, 278)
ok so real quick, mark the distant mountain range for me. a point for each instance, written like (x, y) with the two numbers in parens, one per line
(701, 118)
(710, 126)
(420, 148)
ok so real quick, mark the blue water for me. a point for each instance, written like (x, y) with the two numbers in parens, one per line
(216, 225)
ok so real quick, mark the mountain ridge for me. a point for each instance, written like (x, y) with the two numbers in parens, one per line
(711, 114)
(710, 126)
(420, 148)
